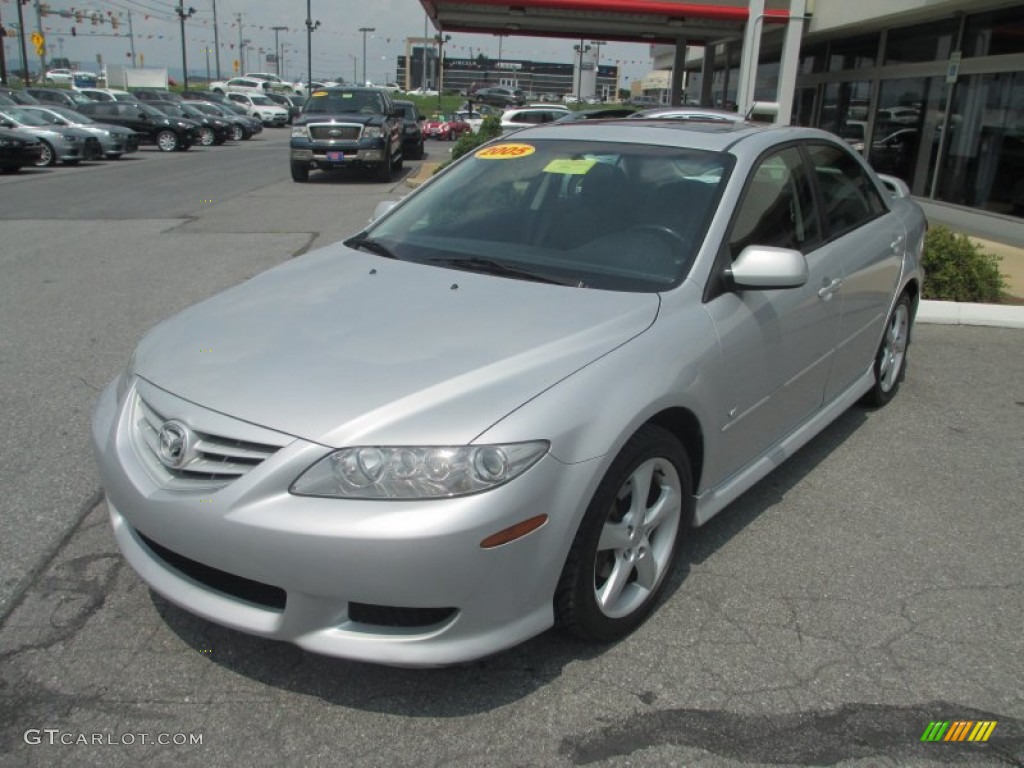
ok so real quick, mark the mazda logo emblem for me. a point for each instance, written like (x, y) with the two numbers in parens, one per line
(174, 444)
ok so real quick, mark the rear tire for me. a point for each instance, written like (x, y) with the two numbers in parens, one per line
(891, 359)
(384, 169)
(300, 173)
(207, 137)
(626, 545)
(237, 133)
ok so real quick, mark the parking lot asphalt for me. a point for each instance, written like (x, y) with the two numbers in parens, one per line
(869, 587)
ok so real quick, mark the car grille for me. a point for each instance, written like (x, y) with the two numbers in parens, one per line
(219, 459)
(336, 132)
(92, 149)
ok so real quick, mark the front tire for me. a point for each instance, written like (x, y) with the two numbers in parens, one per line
(384, 169)
(891, 359)
(300, 173)
(167, 141)
(627, 542)
(48, 156)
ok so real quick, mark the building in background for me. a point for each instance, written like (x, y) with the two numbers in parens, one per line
(931, 91)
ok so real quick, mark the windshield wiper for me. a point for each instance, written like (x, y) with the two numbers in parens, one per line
(492, 267)
(371, 245)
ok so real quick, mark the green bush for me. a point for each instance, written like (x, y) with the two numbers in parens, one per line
(956, 269)
(489, 129)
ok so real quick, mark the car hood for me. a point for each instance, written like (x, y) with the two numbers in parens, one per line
(341, 347)
(339, 117)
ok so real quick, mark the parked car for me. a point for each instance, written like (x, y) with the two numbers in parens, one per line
(69, 146)
(445, 127)
(115, 140)
(412, 130)
(607, 113)
(59, 96)
(274, 82)
(153, 126)
(18, 149)
(698, 114)
(347, 127)
(469, 422)
(107, 94)
(155, 94)
(260, 106)
(58, 76)
(241, 84)
(216, 97)
(242, 126)
(499, 96)
(525, 117)
(291, 103)
(18, 96)
(256, 124)
(212, 130)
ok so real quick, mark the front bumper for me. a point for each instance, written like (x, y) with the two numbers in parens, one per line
(337, 154)
(331, 575)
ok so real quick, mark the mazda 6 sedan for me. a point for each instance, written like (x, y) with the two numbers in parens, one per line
(466, 424)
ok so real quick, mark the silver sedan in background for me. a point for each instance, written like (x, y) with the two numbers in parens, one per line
(115, 140)
(468, 423)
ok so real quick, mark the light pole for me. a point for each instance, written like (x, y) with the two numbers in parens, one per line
(216, 39)
(580, 49)
(310, 27)
(364, 30)
(182, 15)
(277, 49)
(441, 40)
(597, 65)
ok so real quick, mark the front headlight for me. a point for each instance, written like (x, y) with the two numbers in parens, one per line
(417, 472)
(372, 132)
(300, 132)
(70, 138)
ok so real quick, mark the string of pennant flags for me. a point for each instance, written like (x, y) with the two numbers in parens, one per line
(117, 23)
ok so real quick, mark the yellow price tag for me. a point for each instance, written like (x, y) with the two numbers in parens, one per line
(506, 151)
(570, 167)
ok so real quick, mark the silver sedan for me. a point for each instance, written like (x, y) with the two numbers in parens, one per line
(468, 423)
(115, 140)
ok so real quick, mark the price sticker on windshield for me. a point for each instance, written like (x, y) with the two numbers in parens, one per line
(569, 167)
(506, 151)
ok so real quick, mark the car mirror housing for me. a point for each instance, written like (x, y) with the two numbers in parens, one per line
(762, 267)
(383, 207)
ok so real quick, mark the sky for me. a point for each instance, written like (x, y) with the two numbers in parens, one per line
(337, 44)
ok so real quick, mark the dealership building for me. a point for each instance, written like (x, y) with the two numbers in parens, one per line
(931, 91)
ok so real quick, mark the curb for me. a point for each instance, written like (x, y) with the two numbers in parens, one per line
(423, 174)
(966, 313)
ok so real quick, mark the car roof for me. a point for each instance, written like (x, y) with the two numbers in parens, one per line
(713, 137)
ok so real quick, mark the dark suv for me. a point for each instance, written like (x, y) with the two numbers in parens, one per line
(346, 127)
(499, 96)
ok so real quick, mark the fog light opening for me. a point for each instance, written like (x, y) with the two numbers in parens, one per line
(513, 532)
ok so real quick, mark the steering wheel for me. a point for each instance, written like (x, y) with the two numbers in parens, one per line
(666, 232)
(667, 260)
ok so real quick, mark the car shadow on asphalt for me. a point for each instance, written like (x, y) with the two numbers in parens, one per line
(494, 681)
(362, 176)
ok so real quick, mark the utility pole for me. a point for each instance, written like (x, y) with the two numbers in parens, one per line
(131, 39)
(364, 30)
(310, 28)
(241, 48)
(597, 67)
(24, 50)
(216, 40)
(182, 15)
(3, 54)
(277, 49)
(42, 48)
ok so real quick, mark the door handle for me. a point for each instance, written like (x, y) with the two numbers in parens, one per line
(897, 243)
(826, 291)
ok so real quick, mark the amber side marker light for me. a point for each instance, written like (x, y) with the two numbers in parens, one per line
(513, 532)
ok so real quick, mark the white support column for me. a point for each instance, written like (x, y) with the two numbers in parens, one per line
(790, 61)
(749, 55)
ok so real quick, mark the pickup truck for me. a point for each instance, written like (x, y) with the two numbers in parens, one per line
(347, 127)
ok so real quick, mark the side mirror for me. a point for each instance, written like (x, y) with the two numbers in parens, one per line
(383, 207)
(761, 267)
(896, 187)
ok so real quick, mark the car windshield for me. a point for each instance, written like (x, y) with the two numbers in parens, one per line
(51, 118)
(151, 111)
(624, 217)
(171, 109)
(408, 111)
(24, 116)
(261, 100)
(328, 102)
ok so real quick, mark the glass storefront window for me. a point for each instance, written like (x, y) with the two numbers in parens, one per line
(923, 42)
(844, 110)
(995, 33)
(853, 53)
(983, 162)
(812, 59)
(906, 131)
